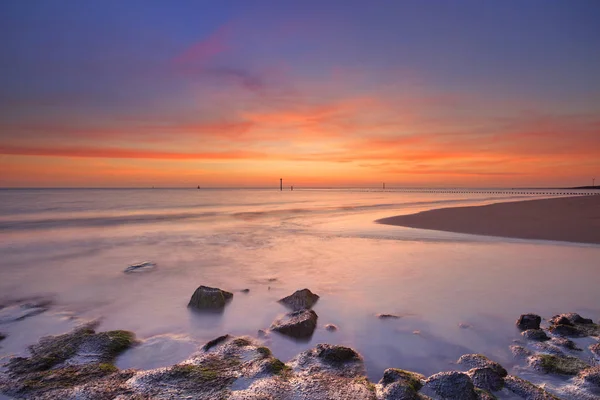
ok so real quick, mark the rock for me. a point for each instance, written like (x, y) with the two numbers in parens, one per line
(245, 291)
(59, 363)
(331, 328)
(2, 336)
(298, 324)
(573, 325)
(589, 379)
(529, 321)
(484, 394)
(262, 333)
(207, 298)
(526, 389)
(595, 349)
(572, 318)
(463, 325)
(566, 330)
(520, 351)
(387, 316)
(564, 342)
(209, 345)
(480, 361)
(451, 385)
(22, 310)
(336, 354)
(336, 360)
(300, 300)
(537, 335)
(554, 364)
(400, 384)
(140, 267)
(486, 379)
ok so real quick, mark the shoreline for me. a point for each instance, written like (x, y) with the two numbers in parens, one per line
(565, 219)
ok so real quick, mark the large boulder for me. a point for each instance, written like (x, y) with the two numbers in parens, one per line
(451, 385)
(300, 300)
(298, 324)
(573, 325)
(529, 321)
(207, 298)
(570, 319)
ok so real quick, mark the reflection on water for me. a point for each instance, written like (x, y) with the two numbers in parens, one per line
(273, 244)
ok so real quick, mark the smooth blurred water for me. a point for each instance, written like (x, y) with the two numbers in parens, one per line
(73, 245)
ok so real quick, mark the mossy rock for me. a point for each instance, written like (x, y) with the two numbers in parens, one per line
(277, 367)
(411, 379)
(264, 351)
(241, 342)
(562, 365)
(363, 380)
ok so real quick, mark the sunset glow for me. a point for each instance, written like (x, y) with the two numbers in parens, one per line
(138, 94)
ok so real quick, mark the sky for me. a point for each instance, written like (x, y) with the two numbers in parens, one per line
(414, 93)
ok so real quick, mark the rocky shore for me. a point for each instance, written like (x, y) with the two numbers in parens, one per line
(80, 365)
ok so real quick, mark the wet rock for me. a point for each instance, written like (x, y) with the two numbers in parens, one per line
(262, 333)
(336, 354)
(331, 328)
(589, 379)
(529, 321)
(400, 384)
(2, 336)
(573, 325)
(570, 319)
(245, 291)
(59, 363)
(23, 309)
(566, 330)
(565, 343)
(300, 300)
(463, 325)
(548, 347)
(140, 267)
(537, 335)
(484, 394)
(450, 385)
(336, 360)
(480, 361)
(387, 316)
(520, 351)
(209, 345)
(595, 349)
(298, 324)
(207, 298)
(486, 379)
(554, 364)
(526, 389)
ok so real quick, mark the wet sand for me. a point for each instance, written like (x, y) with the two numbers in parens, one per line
(567, 219)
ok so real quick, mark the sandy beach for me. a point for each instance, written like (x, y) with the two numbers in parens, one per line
(568, 219)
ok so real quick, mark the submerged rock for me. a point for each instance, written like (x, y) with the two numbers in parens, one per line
(245, 291)
(555, 364)
(450, 385)
(529, 321)
(480, 361)
(300, 300)
(526, 389)
(537, 335)
(140, 267)
(207, 298)
(331, 328)
(298, 324)
(2, 336)
(566, 330)
(209, 345)
(570, 319)
(23, 309)
(564, 342)
(387, 316)
(520, 351)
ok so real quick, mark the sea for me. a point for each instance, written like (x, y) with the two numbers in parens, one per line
(454, 293)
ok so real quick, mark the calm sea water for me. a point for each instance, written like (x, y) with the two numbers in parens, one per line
(73, 246)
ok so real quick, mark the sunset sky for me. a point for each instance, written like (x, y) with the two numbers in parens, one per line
(138, 93)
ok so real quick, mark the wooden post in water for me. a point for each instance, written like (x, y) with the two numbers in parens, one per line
(383, 185)
(280, 184)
